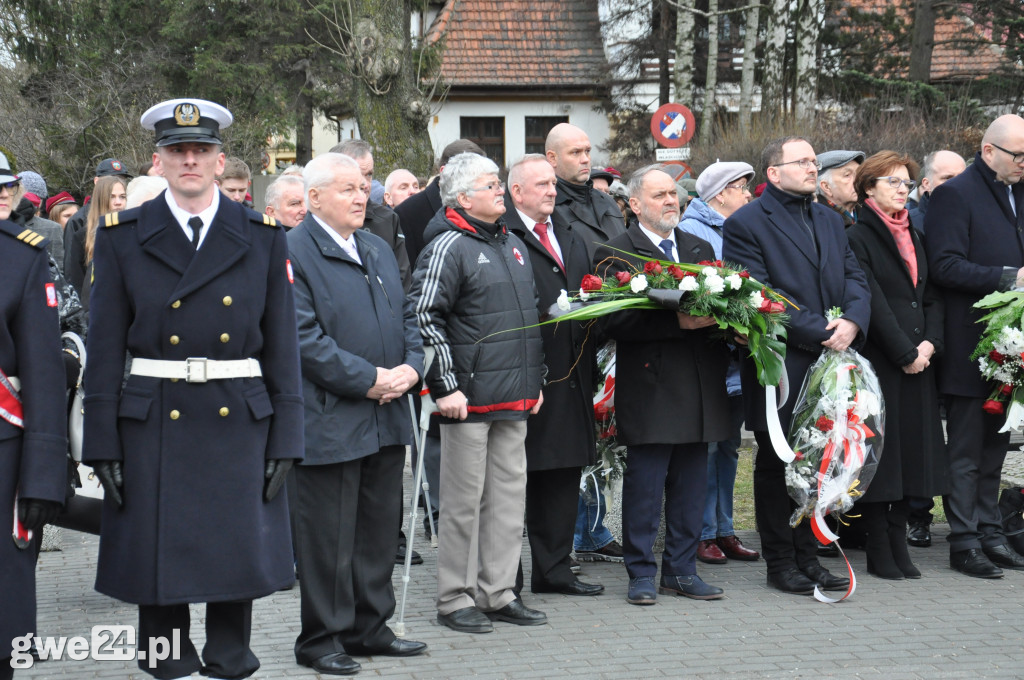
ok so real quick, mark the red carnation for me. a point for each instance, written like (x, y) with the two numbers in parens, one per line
(623, 277)
(677, 273)
(744, 274)
(1006, 389)
(706, 263)
(652, 267)
(591, 282)
(996, 357)
(824, 423)
(994, 407)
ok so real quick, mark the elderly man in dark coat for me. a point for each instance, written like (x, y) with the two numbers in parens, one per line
(361, 352)
(670, 400)
(798, 247)
(975, 247)
(193, 450)
(33, 437)
(559, 439)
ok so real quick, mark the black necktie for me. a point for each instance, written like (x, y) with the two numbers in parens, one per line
(197, 230)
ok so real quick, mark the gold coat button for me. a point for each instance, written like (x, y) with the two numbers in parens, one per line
(224, 337)
(176, 304)
(224, 411)
(227, 300)
(175, 339)
(175, 414)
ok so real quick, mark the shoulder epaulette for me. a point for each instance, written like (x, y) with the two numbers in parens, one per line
(32, 238)
(269, 221)
(260, 218)
(116, 219)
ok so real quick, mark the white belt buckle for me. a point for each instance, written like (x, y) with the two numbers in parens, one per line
(195, 369)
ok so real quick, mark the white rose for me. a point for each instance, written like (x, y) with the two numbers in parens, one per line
(756, 300)
(734, 281)
(688, 283)
(709, 271)
(714, 283)
(638, 283)
(563, 301)
(584, 295)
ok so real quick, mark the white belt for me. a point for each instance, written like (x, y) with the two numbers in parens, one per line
(197, 369)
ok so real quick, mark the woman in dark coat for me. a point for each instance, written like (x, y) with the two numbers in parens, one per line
(904, 335)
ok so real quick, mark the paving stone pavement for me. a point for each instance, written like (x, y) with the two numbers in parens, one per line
(944, 625)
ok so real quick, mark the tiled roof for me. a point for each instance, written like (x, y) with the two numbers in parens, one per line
(531, 44)
(957, 54)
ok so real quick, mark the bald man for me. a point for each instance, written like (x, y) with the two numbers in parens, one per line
(938, 167)
(590, 213)
(400, 185)
(975, 247)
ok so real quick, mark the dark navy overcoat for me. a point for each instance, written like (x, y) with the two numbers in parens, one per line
(33, 459)
(194, 526)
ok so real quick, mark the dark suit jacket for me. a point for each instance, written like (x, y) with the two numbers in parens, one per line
(381, 221)
(415, 212)
(669, 383)
(763, 237)
(974, 247)
(593, 226)
(562, 434)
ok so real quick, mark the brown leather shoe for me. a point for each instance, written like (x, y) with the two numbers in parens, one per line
(709, 553)
(734, 550)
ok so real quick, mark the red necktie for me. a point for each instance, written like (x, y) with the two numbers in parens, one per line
(542, 235)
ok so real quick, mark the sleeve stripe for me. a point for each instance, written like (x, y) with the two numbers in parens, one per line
(442, 244)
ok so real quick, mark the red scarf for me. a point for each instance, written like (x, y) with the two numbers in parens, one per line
(899, 227)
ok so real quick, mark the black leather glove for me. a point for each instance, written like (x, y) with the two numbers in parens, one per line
(109, 472)
(35, 512)
(275, 474)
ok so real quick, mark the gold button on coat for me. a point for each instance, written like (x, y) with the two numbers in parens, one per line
(224, 337)
(175, 339)
(224, 411)
(175, 414)
(227, 300)
(176, 304)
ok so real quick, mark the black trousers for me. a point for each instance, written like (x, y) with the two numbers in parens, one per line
(345, 519)
(782, 546)
(552, 498)
(226, 654)
(976, 453)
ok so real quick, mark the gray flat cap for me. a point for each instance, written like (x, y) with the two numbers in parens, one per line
(839, 158)
(712, 181)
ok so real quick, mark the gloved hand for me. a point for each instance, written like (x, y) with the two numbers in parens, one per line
(275, 473)
(35, 512)
(112, 479)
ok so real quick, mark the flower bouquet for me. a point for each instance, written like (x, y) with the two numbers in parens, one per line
(611, 455)
(1000, 355)
(739, 304)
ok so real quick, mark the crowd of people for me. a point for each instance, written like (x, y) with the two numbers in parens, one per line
(248, 376)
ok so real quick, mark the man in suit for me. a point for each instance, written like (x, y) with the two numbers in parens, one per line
(193, 450)
(361, 352)
(560, 439)
(670, 400)
(975, 247)
(798, 247)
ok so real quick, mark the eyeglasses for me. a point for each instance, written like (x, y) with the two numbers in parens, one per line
(803, 164)
(1016, 157)
(493, 186)
(895, 182)
(11, 186)
(739, 187)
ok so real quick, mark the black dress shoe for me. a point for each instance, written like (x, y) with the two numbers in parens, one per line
(791, 581)
(338, 663)
(919, 535)
(400, 647)
(400, 556)
(577, 587)
(973, 562)
(518, 613)
(825, 579)
(466, 620)
(1004, 556)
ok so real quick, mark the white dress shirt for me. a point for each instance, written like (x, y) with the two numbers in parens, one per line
(183, 216)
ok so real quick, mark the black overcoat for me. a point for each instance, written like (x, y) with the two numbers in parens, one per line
(352, 318)
(914, 461)
(194, 526)
(669, 382)
(414, 213)
(561, 434)
(33, 458)
(594, 224)
(777, 251)
(972, 237)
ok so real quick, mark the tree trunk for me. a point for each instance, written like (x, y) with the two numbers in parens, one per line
(391, 111)
(707, 119)
(922, 41)
(806, 81)
(303, 128)
(683, 74)
(749, 61)
(664, 94)
(774, 57)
